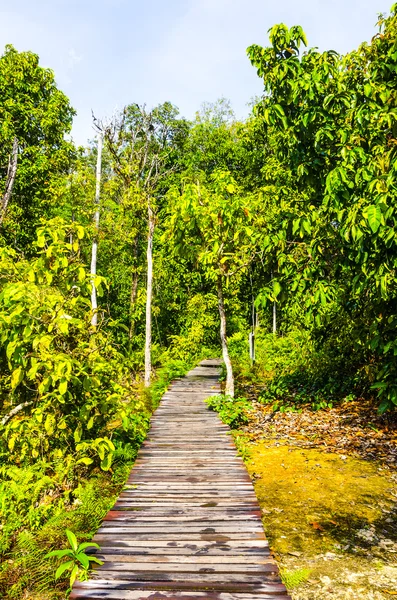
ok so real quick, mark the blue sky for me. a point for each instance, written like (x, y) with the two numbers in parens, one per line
(108, 53)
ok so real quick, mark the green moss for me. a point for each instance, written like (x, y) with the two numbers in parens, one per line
(313, 501)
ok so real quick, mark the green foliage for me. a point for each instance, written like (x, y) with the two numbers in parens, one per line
(200, 328)
(37, 114)
(329, 120)
(290, 372)
(71, 504)
(77, 563)
(232, 411)
(293, 210)
(213, 224)
(293, 579)
(71, 383)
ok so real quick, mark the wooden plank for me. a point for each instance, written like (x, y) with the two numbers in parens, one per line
(181, 516)
(152, 537)
(205, 586)
(117, 563)
(141, 548)
(81, 591)
(187, 523)
(172, 560)
(203, 579)
(205, 527)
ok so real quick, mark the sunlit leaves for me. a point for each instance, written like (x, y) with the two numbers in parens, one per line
(330, 125)
(374, 217)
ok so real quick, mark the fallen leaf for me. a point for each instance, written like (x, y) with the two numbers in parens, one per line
(316, 525)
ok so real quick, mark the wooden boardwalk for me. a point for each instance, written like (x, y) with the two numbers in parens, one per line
(187, 524)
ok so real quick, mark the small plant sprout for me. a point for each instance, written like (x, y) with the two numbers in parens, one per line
(78, 562)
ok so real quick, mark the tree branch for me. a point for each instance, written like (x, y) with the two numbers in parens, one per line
(15, 411)
(11, 174)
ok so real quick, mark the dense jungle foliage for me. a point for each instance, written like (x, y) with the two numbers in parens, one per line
(284, 225)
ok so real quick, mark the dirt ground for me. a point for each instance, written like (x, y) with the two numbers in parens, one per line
(327, 485)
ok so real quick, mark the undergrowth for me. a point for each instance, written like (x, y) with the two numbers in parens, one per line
(39, 502)
(232, 411)
(291, 372)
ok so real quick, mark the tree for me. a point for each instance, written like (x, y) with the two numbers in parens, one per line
(94, 251)
(142, 145)
(35, 116)
(330, 121)
(214, 223)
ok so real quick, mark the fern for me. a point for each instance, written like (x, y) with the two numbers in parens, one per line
(28, 570)
(293, 579)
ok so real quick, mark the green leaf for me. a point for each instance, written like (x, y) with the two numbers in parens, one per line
(83, 559)
(72, 539)
(95, 560)
(374, 217)
(16, 377)
(78, 432)
(85, 461)
(41, 241)
(106, 462)
(59, 553)
(276, 288)
(49, 424)
(63, 387)
(64, 567)
(73, 575)
(86, 545)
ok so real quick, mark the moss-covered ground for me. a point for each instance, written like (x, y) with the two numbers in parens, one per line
(330, 519)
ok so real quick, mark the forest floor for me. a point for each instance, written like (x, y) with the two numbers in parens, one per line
(327, 484)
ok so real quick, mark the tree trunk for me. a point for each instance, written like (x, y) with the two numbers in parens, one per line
(11, 174)
(229, 390)
(274, 317)
(134, 287)
(149, 287)
(94, 253)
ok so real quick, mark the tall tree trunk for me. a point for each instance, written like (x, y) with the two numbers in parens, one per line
(11, 174)
(274, 313)
(94, 253)
(149, 288)
(274, 317)
(229, 390)
(134, 287)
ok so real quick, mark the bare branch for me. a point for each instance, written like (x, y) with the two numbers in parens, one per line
(11, 174)
(15, 411)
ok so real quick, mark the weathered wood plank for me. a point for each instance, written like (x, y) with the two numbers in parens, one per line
(234, 587)
(116, 563)
(191, 560)
(181, 516)
(89, 594)
(187, 523)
